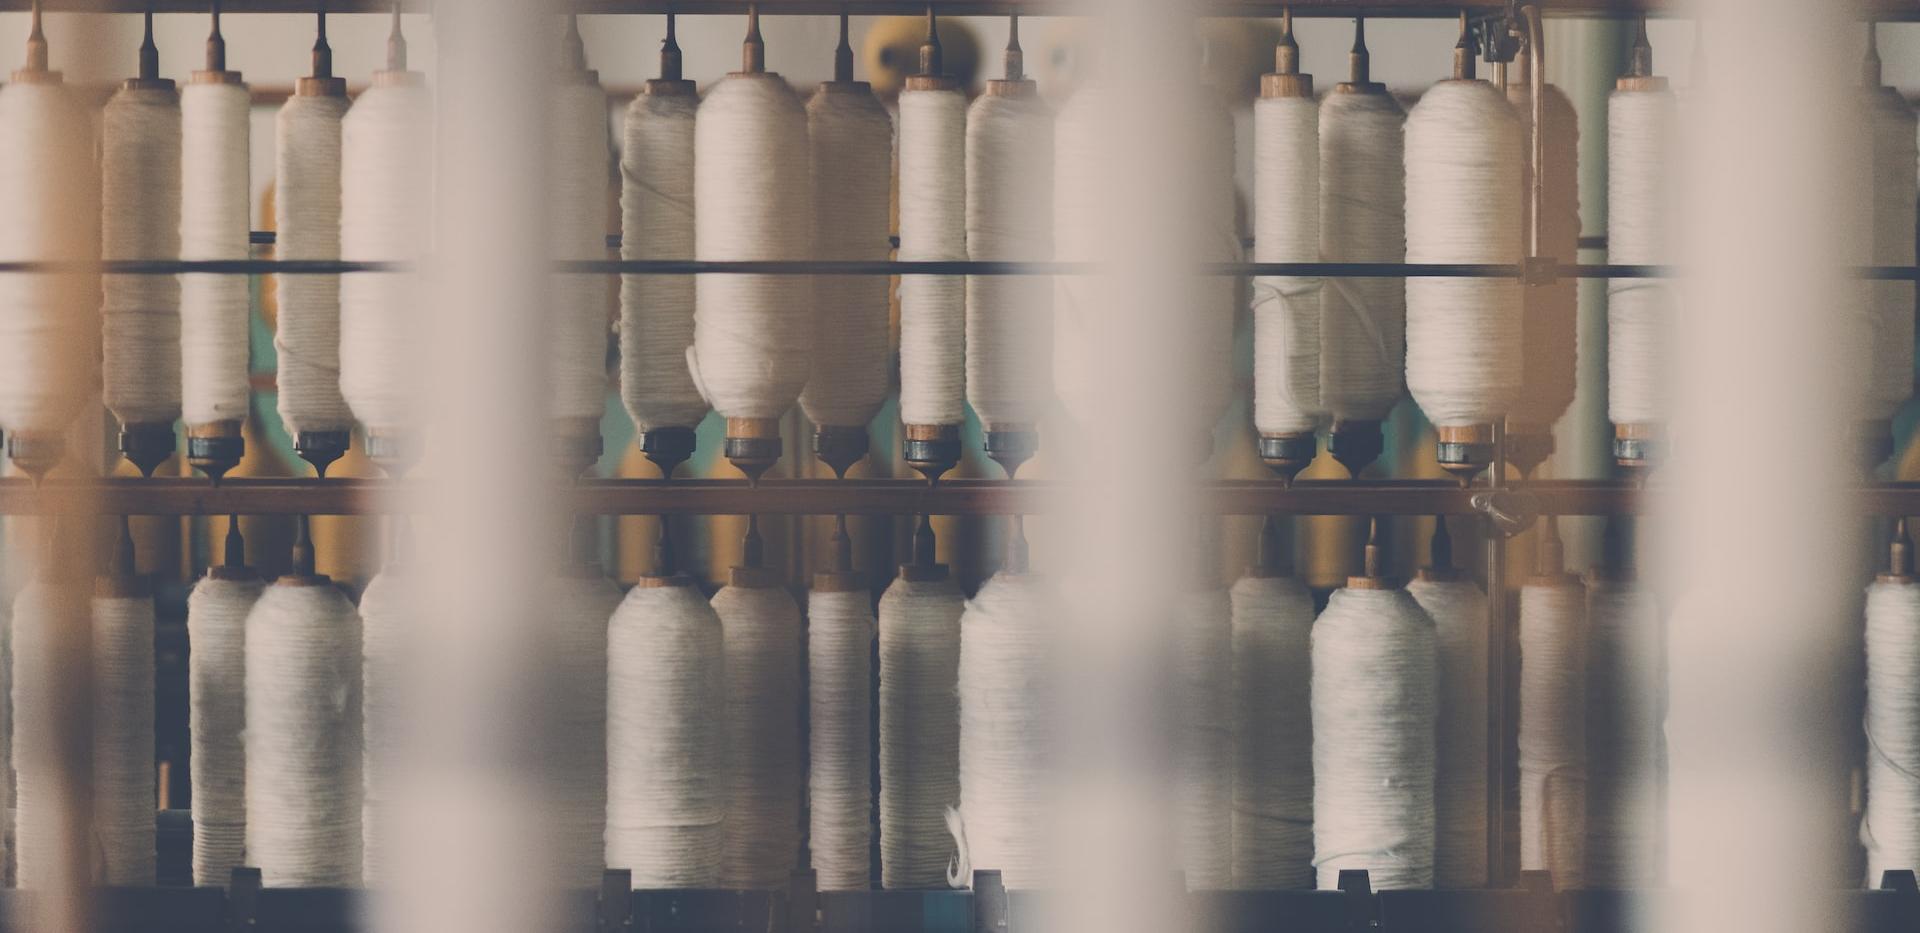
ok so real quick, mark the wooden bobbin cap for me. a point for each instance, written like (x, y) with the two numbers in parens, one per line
(840, 446)
(1464, 450)
(1287, 454)
(1278, 85)
(667, 447)
(399, 78)
(321, 448)
(753, 444)
(932, 83)
(147, 445)
(1356, 443)
(313, 86)
(35, 452)
(1638, 446)
(1528, 445)
(1872, 443)
(575, 445)
(1644, 83)
(663, 581)
(216, 77)
(392, 451)
(670, 87)
(1373, 573)
(215, 448)
(924, 573)
(933, 449)
(1017, 88)
(1012, 445)
(147, 84)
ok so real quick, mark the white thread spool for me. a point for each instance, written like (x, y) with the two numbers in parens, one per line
(1549, 334)
(303, 735)
(840, 631)
(1009, 193)
(1553, 721)
(386, 197)
(1203, 772)
(1006, 727)
(49, 323)
(1374, 697)
(217, 707)
(140, 219)
(584, 601)
(753, 334)
(761, 627)
(214, 221)
(1891, 827)
(1286, 220)
(850, 136)
(1463, 335)
(307, 208)
(385, 614)
(1896, 189)
(577, 229)
(666, 745)
(1363, 218)
(919, 727)
(656, 212)
(933, 226)
(45, 614)
(123, 771)
(1272, 733)
(1459, 612)
(1642, 138)
(1623, 733)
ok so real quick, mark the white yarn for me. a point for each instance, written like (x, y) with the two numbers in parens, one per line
(1463, 335)
(919, 730)
(1642, 141)
(49, 324)
(933, 225)
(1286, 309)
(217, 709)
(666, 695)
(1891, 827)
(385, 614)
(1623, 735)
(577, 229)
(1459, 612)
(1079, 198)
(1553, 730)
(44, 616)
(303, 736)
(761, 627)
(1550, 325)
(753, 334)
(1272, 733)
(1009, 217)
(214, 220)
(1896, 189)
(840, 744)
(851, 139)
(386, 197)
(307, 223)
(1374, 697)
(1203, 739)
(1363, 218)
(1006, 728)
(123, 772)
(656, 222)
(140, 219)
(582, 606)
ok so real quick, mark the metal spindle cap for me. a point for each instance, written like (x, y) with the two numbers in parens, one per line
(1440, 553)
(216, 44)
(1640, 53)
(1356, 444)
(843, 54)
(1287, 454)
(1286, 80)
(1465, 55)
(147, 445)
(321, 448)
(215, 448)
(753, 50)
(667, 447)
(233, 557)
(753, 570)
(396, 43)
(925, 565)
(753, 445)
(322, 82)
(841, 577)
(1012, 446)
(1464, 450)
(1550, 561)
(1899, 555)
(840, 447)
(35, 452)
(1373, 562)
(932, 449)
(122, 577)
(302, 572)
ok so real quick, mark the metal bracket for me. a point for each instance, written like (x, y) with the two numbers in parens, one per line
(616, 900)
(1510, 511)
(1363, 910)
(1539, 270)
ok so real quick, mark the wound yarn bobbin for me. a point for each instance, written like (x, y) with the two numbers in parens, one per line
(840, 633)
(1286, 309)
(1552, 740)
(307, 208)
(1363, 218)
(45, 614)
(123, 768)
(217, 612)
(851, 139)
(1643, 132)
(763, 781)
(1459, 612)
(1009, 192)
(214, 224)
(919, 729)
(1272, 733)
(583, 602)
(1006, 734)
(656, 222)
(140, 219)
(1203, 733)
(933, 226)
(578, 165)
(1624, 822)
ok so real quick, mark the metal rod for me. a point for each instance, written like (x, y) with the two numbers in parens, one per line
(1496, 671)
(1261, 8)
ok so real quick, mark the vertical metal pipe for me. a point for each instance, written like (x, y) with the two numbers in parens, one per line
(1496, 672)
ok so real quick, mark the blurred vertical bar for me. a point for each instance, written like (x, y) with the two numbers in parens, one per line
(472, 799)
(1760, 641)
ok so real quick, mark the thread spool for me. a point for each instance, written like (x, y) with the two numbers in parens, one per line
(217, 613)
(386, 190)
(933, 226)
(1623, 726)
(1891, 828)
(851, 143)
(1009, 182)
(840, 633)
(1459, 612)
(666, 696)
(656, 222)
(1363, 218)
(1375, 692)
(140, 219)
(385, 615)
(761, 627)
(1642, 136)
(307, 207)
(919, 722)
(1272, 724)
(753, 334)
(122, 682)
(1006, 727)
(214, 223)
(1890, 304)
(45, 658)
(1203, 788)
(1463, 147)
(303, 741)
(577, 229)
(1553, 709)
(1550, 352)
(49, 322)
(1286, 310)
(584, 601)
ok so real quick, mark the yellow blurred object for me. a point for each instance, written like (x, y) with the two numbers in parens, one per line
(891, 52)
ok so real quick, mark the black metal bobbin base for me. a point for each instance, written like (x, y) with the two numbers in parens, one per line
(753, 444)
(34, 453)
(1527, 449)
(667, 448)
(321, 448)
(933, 449)
(1287, 454)
(1464, 450)
(1356, 444)
(216, 448)
(573, 454)
(840, 447)
(393, 453)
(146, 446)
(1012, 447)
(1636, 449)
